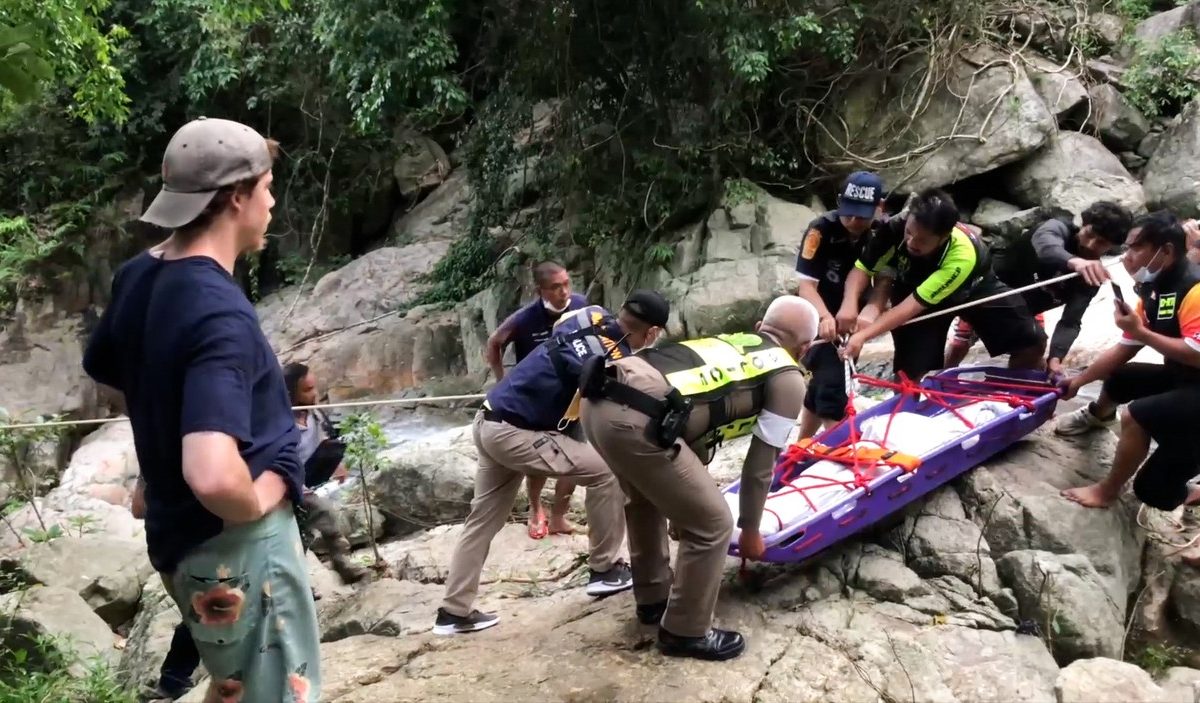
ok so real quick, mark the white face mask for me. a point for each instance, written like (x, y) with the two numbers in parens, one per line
(551, 308)
(1144, 274)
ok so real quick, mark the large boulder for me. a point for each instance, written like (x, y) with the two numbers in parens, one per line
(67, 514)
(1065, 596)
(55, 617)
(421, 163)
(1003, 120)
(1170, 177)
(1015, 498)
(938, 539)
(385, 607)
(149, 637)
(1154, 28)
(727, 296)
(107, 573)
(1119, 123)
(441, 215)
(104, 467)
(1184, 601)
(427, 482)
(1072, 172)
(1105, 680)
(41, 357)
(1058, 85)
(1002, 222)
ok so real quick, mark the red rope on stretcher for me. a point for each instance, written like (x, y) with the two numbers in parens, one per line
(795, 455)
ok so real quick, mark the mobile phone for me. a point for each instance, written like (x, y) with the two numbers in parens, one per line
(1120, 296)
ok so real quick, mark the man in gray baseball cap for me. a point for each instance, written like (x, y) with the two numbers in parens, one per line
(212, 422)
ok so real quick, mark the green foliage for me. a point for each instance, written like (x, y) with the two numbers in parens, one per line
(79, 48)
(1134, 10)
(39, 670)
(291, 267)
(39, 535)
(22, 249)
(1164, 75)
(17, 448)
(1156, 658)
(22, 68)
(365, 441)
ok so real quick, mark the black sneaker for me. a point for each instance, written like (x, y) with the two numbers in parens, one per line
(448, 624)
(616, 579)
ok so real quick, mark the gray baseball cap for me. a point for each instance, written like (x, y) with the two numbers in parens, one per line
(201, 158)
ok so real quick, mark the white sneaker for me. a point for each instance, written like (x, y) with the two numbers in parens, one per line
(1081, 421)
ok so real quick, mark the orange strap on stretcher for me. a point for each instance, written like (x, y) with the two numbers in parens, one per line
(866, 455)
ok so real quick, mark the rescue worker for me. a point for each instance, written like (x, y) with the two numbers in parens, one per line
(525, 329)
(649, 414)
(1163, 399)
(521, 431)
(1051, 249)
(937, 263)
(833, 242)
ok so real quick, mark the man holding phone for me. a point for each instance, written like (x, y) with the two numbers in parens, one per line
(1163, 399)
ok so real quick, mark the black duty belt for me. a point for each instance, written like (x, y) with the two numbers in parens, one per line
(490, 415)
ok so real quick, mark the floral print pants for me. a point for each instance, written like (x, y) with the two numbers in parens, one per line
(245, 597)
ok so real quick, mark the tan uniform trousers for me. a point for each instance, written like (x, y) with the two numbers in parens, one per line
(506, 455)
(663, 484)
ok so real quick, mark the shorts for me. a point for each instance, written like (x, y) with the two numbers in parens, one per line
(245, 598)
(1005, 325)
(826, 394)
(1165, 404)
(964, 335)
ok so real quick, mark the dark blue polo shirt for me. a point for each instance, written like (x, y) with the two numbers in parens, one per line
(532, 324)
(183, 344)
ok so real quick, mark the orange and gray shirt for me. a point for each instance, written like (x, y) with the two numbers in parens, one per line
(1170, 306)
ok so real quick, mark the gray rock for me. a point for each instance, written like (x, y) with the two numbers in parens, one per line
(149, 637)
(1149, 144)
(421, 163)
(107, 573)
(1073, 172)
(1119, 123)
(1005, 222)
(727, 240)
(1067, 598)
(41, 357)
(727, 296)
(1155, 27)
(62, 616)
(1106, 29)
(1059, 86)
(1105, 70)
(1002, 107)
(1103, 680)
(941, 541)
(888, 579)
(1016, 500)
(1185, 598)
(1170, 179)
(1132, 161)
(1180, 685)
(386, 607)
(441, 215)
(427, 482)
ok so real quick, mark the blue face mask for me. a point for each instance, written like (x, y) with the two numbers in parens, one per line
(1144, 274)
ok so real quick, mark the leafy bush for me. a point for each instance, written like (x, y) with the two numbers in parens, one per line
(1164, 75)
(39, 670)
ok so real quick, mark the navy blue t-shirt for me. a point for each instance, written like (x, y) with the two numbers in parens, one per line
(184, 345)
(532, 324)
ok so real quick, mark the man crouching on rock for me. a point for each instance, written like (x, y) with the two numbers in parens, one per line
(211, 420)
(1163, 399)
(645, 413)
(522, 431)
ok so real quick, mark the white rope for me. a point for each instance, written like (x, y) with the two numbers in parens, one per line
(480, 396)
(1005, 294)
(347, 404)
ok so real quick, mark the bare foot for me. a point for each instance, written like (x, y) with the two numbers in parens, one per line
(1193, 497)
(537, 524)
(559, 525)
(1093, 496)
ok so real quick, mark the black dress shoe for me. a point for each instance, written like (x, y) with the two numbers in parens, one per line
(651, 613)
(717, 645)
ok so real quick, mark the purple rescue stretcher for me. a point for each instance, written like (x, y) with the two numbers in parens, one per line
(894, 487)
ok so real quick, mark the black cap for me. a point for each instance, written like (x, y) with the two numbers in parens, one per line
(649, 306)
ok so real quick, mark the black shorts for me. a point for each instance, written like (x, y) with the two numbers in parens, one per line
(826, 394)
(1005, 325)
(1166, 405)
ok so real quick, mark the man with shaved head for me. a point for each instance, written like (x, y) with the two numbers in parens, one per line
(656, 417)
